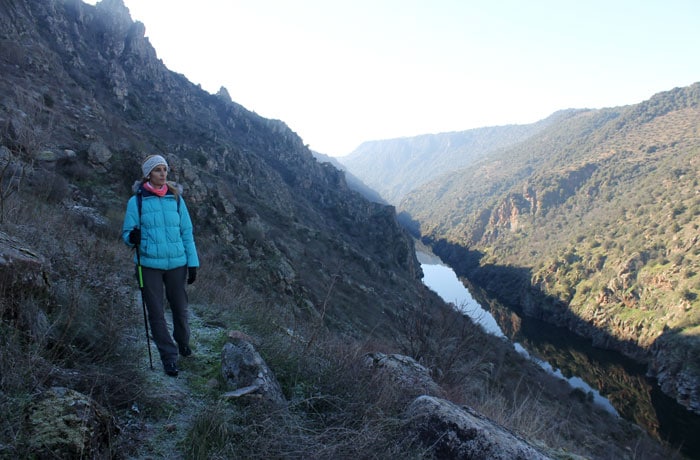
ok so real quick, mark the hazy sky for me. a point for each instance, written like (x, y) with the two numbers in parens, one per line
(339, 73)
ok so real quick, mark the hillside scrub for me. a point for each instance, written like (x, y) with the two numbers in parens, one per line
(86, 332)
(598, 216)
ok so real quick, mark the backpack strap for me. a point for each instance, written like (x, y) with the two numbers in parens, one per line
(139, 201)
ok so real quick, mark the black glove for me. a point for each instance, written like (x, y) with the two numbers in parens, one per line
(135, 236)
(191, 274)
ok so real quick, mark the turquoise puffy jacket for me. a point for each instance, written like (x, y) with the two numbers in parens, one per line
(167, 241)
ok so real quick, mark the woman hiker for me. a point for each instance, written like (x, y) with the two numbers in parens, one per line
(158, 225)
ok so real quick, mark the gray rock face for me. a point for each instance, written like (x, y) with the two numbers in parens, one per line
(451, 431)
(23, 272)
(21, 267)
(678, 380)
(246, 372)
(99, 154)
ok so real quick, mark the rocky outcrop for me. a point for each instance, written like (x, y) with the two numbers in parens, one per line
(21, 267)
(23, 273)
(677, 369)
(245, 372)
(403, 373)
(63, 423)
(450, 431)
(443, 428)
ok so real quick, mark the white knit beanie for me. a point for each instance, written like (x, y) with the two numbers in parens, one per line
(151, 162)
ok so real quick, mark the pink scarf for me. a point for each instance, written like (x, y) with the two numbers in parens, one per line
(157, 191)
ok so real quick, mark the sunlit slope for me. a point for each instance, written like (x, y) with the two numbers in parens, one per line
(602, 209)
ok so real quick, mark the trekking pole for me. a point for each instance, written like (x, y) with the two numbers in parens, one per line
(143, 302)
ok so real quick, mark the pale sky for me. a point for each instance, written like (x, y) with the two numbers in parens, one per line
(341, 72)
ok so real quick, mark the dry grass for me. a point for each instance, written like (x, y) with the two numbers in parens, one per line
(334, 410)
(86, 332)
(74, 335)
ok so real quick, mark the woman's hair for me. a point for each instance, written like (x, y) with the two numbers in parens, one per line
(174, 189)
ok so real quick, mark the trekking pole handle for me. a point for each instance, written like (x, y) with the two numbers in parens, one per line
(143, 302)
(138, 265)
(138, 270)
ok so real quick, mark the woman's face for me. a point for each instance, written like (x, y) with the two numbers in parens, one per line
(158, 176)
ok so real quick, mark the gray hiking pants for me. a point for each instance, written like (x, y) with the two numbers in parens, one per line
(174, 282)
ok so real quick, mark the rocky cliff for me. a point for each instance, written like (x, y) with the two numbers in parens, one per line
(85, 80)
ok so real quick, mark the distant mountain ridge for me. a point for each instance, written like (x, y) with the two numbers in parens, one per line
(395, 167)
(353, 181)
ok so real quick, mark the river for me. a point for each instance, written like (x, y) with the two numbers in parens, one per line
(616, 383)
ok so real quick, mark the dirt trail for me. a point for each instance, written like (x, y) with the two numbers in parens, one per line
(180, 398)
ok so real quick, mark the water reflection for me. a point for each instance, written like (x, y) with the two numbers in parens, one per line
(443, 280)
(575, 382)
(621, 383)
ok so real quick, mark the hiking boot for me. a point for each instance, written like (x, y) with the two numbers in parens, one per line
(185, 351)
(170, 369)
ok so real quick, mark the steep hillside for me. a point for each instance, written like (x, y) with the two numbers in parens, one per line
(394, 167)
(87, 81)
(591, 223)
(354, 183)
(320, 283)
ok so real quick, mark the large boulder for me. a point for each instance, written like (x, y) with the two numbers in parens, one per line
(245, 372)
(21, 267)
(404, 374)
(99, 155)
(457, 432)
(23, 273)
(63, 423)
